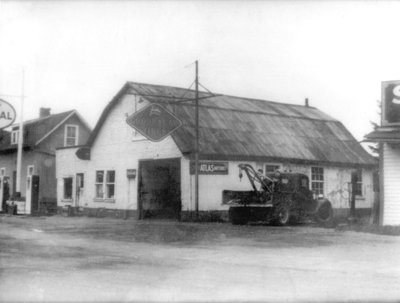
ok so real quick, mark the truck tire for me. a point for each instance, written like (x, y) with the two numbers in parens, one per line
(281, 215)
(239, 215)
(324, 213)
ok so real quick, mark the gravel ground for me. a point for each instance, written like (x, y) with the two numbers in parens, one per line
(64, 259)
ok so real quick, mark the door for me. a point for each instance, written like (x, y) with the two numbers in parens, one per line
(35, 194)
(5, 192)
(79, 189)
(159, 189)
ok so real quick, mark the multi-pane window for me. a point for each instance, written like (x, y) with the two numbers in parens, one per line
(14, 136)
(317, 180)
(67, 188)
(270, 168)
(359, 184)
(105, 184)
(71, 135)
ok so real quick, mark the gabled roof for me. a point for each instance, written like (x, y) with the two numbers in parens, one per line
(247, 129)
(38, 129)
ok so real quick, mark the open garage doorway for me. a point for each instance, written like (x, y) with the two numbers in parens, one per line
(159, 189)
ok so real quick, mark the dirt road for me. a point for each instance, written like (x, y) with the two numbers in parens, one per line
(87, 259)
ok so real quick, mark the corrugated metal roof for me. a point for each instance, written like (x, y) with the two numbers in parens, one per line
(242, 128)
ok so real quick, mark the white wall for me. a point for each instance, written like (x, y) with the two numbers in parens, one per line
(391, 185)
(211, 186)
(116, 149)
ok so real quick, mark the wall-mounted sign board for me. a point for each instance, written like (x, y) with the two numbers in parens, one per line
(210, 168)
(391, 103)
(7, 114)
(154, 122)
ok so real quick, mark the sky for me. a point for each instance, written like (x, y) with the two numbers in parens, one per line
(78, 54)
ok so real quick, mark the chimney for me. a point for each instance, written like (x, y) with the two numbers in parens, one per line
(306, 102)
(44, 112)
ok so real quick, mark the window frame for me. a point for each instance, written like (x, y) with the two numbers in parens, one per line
(105, 184)
(359, 184)
(271, 164)
(14, 136)
(64, 197)
(314, 180)
(76, 127)
(30, 169)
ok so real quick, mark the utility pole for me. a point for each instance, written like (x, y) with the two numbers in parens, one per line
(20, 138)
(196, 161)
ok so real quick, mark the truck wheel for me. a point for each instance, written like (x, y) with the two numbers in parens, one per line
(239, 215)
(282, 215)
(324, 213)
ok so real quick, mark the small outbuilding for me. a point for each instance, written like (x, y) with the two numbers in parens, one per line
(122, 173)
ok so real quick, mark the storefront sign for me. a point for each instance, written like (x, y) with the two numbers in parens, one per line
(390, 102)
(154, 122)
(7, 114)
(210, 168)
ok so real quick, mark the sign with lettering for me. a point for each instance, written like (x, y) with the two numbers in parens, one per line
(154, 122)
(7, 114)
(210, 168)
(390, 102)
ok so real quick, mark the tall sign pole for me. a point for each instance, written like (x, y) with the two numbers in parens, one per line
(20, 138)
(196, 164)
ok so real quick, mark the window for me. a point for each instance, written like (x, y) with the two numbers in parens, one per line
(30, 170)
(3, 171)
(14, 136)
(71, 135)
(359, 184)
(317, 180)
(105, 184)
(68, 188)
(271, 168)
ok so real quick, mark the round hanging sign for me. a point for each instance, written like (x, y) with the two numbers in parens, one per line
(7, 114)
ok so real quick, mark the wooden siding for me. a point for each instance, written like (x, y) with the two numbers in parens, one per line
(391, 186)
(56, 139)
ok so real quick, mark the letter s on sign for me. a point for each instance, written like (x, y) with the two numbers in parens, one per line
(396, 93)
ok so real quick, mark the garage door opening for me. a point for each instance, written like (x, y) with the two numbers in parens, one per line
(160, 189)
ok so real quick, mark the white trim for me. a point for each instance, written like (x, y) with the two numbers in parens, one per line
(28, 173)
(55, 128)
(83, 121)
(14, 136)
(318, 181)
(66, 133)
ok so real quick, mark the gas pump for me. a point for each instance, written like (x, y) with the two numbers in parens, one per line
(28, 200)
(32, 192)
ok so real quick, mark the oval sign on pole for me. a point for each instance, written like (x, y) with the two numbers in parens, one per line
(7, 114)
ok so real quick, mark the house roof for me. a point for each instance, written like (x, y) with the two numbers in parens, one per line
(37, 129)
(248, 129)
(384, 134)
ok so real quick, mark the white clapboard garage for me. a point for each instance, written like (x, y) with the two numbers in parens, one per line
(127, 175)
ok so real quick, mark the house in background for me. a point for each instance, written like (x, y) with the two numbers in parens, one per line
(120, 172)
(41, 138)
